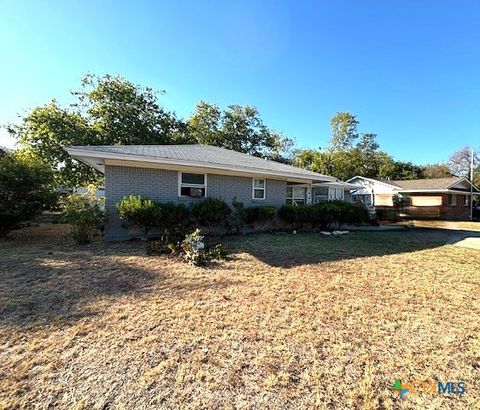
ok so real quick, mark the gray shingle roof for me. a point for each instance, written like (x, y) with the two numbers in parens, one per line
(204, 154)
(430, 183)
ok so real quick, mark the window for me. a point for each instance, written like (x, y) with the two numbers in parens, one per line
(320, 194)
(296, 195)
(465, 201)
(194, 185)
(452, 199)
(258, 188)
(338, 193)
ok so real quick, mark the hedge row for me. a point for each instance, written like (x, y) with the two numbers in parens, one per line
(212, 213)
(325, 215)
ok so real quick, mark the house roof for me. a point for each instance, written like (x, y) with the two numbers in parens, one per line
(430, 183)
(200, 156)
(427, 184)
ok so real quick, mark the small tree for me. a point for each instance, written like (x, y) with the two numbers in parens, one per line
(84, 213)
(136, 211)
(26, 188)
(211, 213)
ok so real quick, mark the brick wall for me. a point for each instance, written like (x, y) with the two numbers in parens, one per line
(162, 186)
(445, 211)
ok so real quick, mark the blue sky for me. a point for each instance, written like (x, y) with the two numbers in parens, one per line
(410, 70)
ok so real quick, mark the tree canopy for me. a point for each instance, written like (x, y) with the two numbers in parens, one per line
(26, 188)
(110, 110)
(351, 153)
(106, 110)
(239, 128)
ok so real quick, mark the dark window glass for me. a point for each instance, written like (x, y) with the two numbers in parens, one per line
(194, 179)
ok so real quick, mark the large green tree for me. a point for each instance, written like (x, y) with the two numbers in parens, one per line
(344, 130)
(351, 153)
(26, 188)
(106, 110)
(437, 171)
(239, 128)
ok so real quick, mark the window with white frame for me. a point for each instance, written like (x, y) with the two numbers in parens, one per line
(258, 190)
(465, 201)
(335, 194)
(296, 195)
(320, 194)
(194, 185)
(339, 193)
(452, 199)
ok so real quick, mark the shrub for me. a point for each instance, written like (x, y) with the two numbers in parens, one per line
(323, 215)
(173, 215)
(196, 252)
(295, 215)
(236, 219)
(347, 213)
(263, 214)
(136, 211)
(26, 188)
(211, 213)
(84, 213)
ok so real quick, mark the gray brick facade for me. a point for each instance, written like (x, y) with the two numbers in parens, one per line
(162, 186)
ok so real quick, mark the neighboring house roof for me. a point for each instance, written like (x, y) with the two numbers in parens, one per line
(430, 183)
(427, 184)
(199, 156)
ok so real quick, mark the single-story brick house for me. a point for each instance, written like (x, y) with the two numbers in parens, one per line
(442, 198)
(189, 173)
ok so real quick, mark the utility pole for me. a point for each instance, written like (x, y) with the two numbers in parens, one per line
(471, 186)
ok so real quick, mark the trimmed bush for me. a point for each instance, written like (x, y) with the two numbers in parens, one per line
(325, 215)
(322, 215)
(259, 214)
(295, 215)
(143, 213)
(211, 213)
(173, 215)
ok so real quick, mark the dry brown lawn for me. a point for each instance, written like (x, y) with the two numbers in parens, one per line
(291, 321)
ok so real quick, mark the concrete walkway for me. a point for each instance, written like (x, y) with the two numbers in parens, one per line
(471, 242)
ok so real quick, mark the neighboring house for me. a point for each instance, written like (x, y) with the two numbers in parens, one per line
(443, 198)
(189, 173)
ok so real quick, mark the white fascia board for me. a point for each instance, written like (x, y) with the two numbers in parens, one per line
(375, 181)
(85, 155)
(464, 180)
